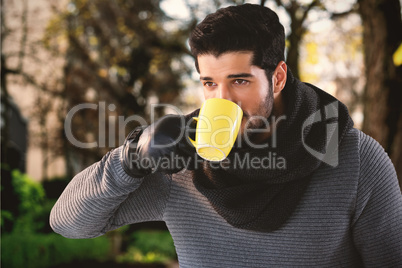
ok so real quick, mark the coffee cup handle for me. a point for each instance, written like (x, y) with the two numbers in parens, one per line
(192, 141)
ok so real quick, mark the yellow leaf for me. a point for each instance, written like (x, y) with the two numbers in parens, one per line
(93, 41)
(102, 73)
(398, 56)
(312, 52)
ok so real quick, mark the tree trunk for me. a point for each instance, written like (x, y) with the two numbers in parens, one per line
(298, 14)
(295, 38)
(383, 96)
(4, 93)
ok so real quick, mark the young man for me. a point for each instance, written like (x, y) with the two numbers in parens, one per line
(308, 190)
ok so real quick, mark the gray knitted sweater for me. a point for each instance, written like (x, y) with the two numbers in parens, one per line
(350, 216)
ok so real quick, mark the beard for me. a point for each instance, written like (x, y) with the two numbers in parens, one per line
(264, 111)
(257, 126)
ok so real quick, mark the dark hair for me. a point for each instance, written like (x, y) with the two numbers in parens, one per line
(245, 27)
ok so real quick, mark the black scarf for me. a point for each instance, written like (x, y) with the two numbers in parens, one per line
(258, 189)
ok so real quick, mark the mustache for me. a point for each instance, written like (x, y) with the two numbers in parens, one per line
(251, 117)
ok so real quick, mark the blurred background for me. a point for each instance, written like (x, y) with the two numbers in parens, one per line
(122, 59)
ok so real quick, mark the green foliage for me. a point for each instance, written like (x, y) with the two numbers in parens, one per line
(32, 207)
(31, 193)
(47, 250)
(150, 247)
(6, 215)
(31, 204)
(158, 241)
(24, 246)
(134, 255)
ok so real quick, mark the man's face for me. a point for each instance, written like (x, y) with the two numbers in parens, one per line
(232, 76)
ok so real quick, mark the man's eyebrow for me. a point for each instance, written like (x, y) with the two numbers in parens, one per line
(240, 75)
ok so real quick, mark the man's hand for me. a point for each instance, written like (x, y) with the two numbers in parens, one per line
(161, 147)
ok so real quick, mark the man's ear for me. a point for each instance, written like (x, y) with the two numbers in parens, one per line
(279, 77)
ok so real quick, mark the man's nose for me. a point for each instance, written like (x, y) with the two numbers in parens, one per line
(224, 92)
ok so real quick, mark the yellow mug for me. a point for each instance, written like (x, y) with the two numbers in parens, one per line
(218, 124)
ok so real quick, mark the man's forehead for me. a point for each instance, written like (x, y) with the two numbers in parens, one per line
(229, 64)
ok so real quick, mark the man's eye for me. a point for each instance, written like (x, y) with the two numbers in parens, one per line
(209, 84)
(241, 82)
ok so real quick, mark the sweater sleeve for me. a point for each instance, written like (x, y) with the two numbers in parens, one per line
(93, 201)
(377, 225)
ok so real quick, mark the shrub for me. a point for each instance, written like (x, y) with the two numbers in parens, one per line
(155, 241)
(47, 250)
(30, 204)
(150, 247)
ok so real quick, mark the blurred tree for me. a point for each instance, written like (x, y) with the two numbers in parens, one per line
(118, 58)
(6, 111)
(383, 93)
(13, 126)
(4, 92)
(298, 13)
(333, 60)
(25, 75)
